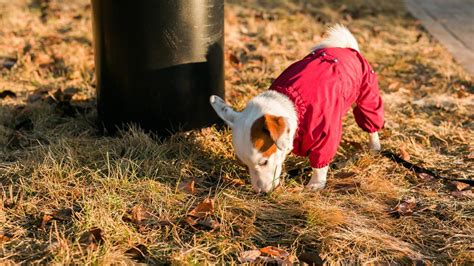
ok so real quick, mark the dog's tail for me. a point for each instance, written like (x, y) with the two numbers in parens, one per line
(338, 36)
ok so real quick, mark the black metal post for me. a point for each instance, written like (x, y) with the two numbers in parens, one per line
(157, 62)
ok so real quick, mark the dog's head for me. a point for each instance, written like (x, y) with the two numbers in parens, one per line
(261, 141)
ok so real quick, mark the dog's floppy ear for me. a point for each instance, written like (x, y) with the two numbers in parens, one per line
(270, 132)
(223, 110)
(278, 128)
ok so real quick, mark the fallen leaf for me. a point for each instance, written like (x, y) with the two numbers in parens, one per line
(9, 203)
(431, 208)
(191, 221)
(344, 174)
(426, 177)
(92, 237)
(203, 209)
(206, 223)
(43, 59)
(463, 194)
(188, 186)
(138, 214)
(290, 260)
(7, 62)
(234, 60)
(45, 219)
(249, 255)
(394, 85)
(405, 208)
(274, 251)
(4, 237)
(311, 258)
(349, 187)
(140, 217)
(404, 154)
(209, 223)
(235, 181)
(139, 252)
(471, 155)
(7, 93)
(459, 186)
(64, 214)
(38, 94)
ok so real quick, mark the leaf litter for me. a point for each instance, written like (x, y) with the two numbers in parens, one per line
(268, 254)
(202, 215)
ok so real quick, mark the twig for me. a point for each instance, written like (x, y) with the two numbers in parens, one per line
(392, 156)
(417, 169)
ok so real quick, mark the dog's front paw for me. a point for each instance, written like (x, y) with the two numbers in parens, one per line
(374, 143)
(316, 186)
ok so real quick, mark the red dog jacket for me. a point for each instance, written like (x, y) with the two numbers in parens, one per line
(323, 86)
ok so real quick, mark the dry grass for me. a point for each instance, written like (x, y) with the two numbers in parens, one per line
(53, 159)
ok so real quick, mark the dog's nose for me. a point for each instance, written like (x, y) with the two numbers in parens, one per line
(256, 189)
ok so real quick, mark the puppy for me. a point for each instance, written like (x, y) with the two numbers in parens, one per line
(303, 111)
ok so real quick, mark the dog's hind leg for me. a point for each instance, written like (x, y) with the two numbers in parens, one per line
(318, 180)
(374, 142)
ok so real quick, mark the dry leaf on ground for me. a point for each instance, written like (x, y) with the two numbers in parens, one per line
(139, 252)
(404, 154)
(430, 208)
(7, 62)
(405, 208)
(274, 251)
(188, 186)
(426, 177)
(64, 214)
(3, 237)
(207, 223)
(235, 181)
(463, 194)
(43, 59)
(136, 215)
(459, 186)
(200, 216)
(92, 237)
(350, 187)
(203, 209)
(249, 255)
(234, 60)
(343, 175)
(44, 220)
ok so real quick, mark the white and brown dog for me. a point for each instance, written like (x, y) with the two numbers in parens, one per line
(303, 110)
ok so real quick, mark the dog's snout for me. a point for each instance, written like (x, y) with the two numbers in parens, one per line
(256, 189)
(262, 187)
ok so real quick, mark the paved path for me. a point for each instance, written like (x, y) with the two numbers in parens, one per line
(452, 23)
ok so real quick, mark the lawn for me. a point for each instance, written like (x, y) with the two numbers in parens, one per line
(71, 195)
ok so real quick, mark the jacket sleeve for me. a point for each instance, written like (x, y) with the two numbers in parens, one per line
(369, 113)
(322, 154)
(327, 134)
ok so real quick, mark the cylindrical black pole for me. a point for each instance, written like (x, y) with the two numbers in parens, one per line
(157, 62)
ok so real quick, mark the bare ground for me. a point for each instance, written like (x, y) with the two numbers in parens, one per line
(70, 195)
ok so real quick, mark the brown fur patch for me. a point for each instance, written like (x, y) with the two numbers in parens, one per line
(265, 131)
